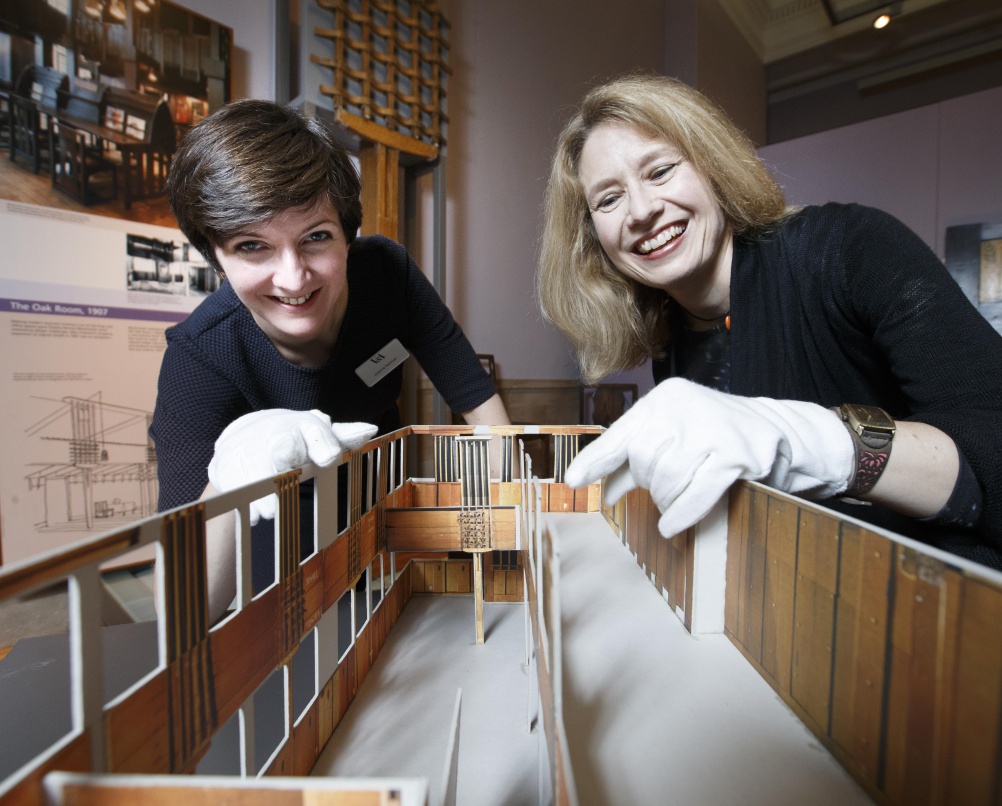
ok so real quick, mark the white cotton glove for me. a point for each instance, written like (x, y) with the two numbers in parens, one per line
(264, 443)
(688, 443)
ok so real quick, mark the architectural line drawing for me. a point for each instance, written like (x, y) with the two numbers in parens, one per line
(107, 472)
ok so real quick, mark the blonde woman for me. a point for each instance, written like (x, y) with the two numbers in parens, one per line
(825, 350)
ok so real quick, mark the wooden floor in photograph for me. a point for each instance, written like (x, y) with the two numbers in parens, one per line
(19, 184)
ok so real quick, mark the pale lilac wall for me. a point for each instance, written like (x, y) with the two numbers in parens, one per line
(518, 68)
(931, 167)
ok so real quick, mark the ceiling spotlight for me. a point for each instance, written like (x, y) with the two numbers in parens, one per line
(882, 21)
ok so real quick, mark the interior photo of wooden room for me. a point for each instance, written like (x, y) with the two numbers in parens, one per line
(96, 95)
(462, 610)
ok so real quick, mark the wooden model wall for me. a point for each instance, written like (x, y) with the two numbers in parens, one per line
(667, 563)
(165, 723)
(889, 653)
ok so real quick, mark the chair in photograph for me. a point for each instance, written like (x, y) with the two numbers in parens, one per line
(32, 105)
(80, 169)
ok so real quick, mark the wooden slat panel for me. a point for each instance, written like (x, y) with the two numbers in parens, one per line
(74, 757)
(305, 747)
(558, 498)
(115, 794)
(679, 547)
(367, 539)
(664, 569)
(284, 762)
(737, 540)
(860, 646)
(508, 493)
(780, 571)
(424, 494)
(363, 657)
(449, 494)
(246, 652)
(313, 573)
(437, 530)
(313, 602)
(974, 772)
(814, 615)
(690, 575)
(458, 577)
(926, 592)
(137, 731)
(434, 576)
(326, 707)
(335, 570)
(631, 518)
(350, 668)
(753, 584)
(340, 695)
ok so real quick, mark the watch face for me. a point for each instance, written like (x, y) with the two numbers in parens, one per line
(868, 417)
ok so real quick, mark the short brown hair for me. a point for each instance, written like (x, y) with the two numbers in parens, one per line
(613, 321)
(251, 160)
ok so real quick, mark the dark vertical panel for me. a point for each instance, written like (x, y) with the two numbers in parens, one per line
(975, 764)
(921, 663)
(753, 589)
(862, 615)
(780, 572)
(814, 615)
(737, 537)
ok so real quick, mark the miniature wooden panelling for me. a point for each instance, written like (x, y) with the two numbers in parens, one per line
(106, 792)
(290, 574)
(504, 576)
(669, 563)
(446, 466)
(190, 698)
(565, 450)
(891, 656)
(207, 675)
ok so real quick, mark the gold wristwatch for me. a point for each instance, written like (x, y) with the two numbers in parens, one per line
(872, 430)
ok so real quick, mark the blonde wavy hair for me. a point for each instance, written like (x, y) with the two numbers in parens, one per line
(613, 321)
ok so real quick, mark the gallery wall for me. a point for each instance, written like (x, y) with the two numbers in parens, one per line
(518, 69)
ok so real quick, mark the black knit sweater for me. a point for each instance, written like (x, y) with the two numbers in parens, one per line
(219, 365)
(845, 304)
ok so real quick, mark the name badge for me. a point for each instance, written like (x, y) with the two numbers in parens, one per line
(382, 363)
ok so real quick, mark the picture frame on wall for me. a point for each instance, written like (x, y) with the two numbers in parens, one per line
(974, 258)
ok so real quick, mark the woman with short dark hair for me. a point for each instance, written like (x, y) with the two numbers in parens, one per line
(298, 355)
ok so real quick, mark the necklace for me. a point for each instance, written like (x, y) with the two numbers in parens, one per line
(726, 318)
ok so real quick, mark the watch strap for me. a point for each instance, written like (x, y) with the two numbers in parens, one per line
(871, 459)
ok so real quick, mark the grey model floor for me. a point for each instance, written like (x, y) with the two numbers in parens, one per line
(653, 714)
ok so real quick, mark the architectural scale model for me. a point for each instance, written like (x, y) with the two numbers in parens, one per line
(885, 650)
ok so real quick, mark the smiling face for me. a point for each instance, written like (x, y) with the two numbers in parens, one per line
(291, 274)
(656, 218)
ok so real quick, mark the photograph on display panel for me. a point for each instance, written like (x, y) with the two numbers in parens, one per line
(96, 94)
